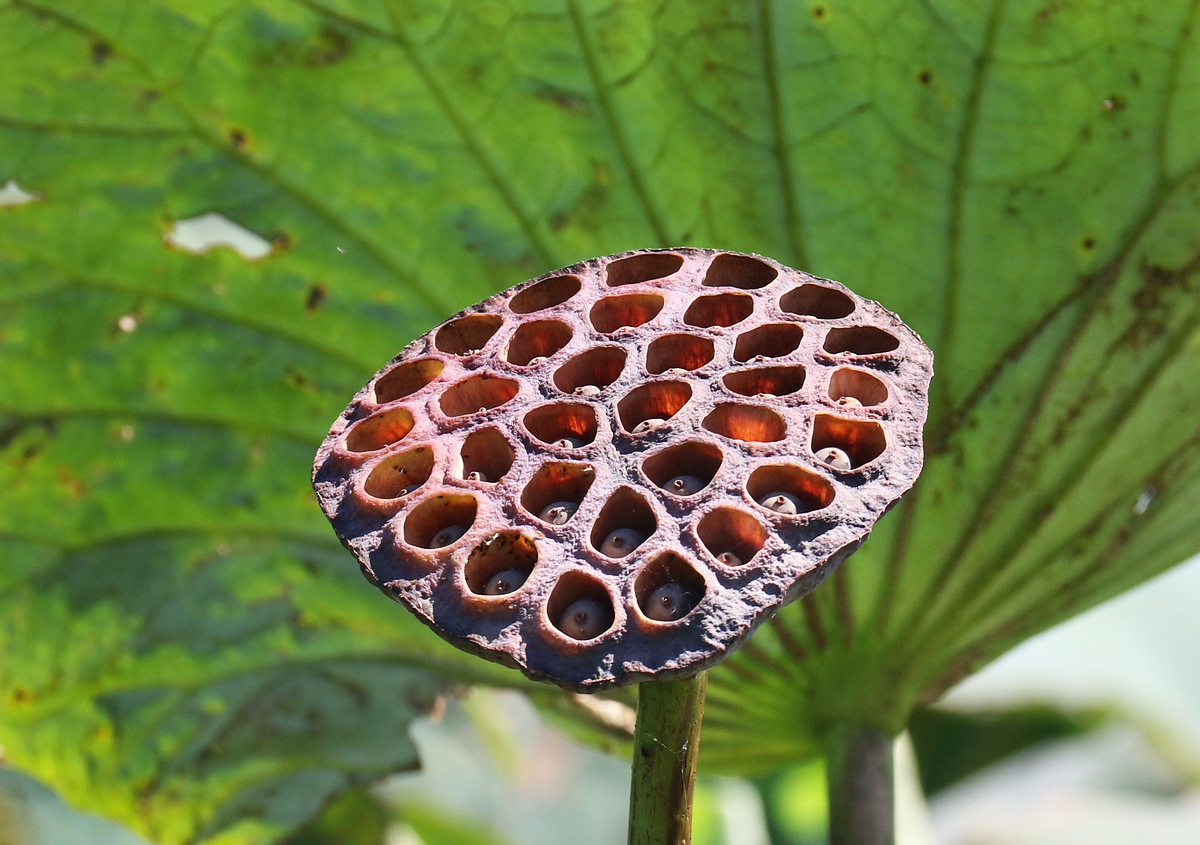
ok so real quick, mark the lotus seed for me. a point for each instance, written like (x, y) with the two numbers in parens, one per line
(568, 442)
(476, 476)
(584, 619)
(558, 513)
(677, 371)
(647, 425)
(621, 542)
(849, 402)
(685, 485)
(669, 602)
(447, 535)
(410, 489)
(587, 390)
(533, 362)
(835, 457)
(781, 502)
(504, 582)
(729, 559)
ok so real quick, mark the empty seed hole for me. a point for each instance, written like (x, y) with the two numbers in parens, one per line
(817, 301)
(538, 339)
(860, 340)
(568, 425)
(765, 381)
(486, 455)
(579, 606)
(477, 393)
(750, 423)
(557, 484)
(861, 440)
(685, 468)
(545, 294)
(773, 340)
(789, 490)
(399, 475)
(467, 334)
(625, 522)
(642, 268)
(732, 536)
(668, 588)
(848, 386)
(626, 311)
(598, 367)
(406, 379)
(501, 564)
(722, 309)
(379, 430)
(678, 352)
(440, 521)
(651, 405)
(739, 271)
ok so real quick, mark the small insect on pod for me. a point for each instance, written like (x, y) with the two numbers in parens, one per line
(611, 473)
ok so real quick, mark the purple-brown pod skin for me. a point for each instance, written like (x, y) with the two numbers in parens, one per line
(746, 370)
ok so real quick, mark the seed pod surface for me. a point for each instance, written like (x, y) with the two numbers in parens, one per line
(644, 455)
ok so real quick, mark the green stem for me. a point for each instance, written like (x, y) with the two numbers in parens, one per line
(858, 764)
(665, 743)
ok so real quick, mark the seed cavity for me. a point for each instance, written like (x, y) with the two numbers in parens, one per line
(621, 542)
(505, 581)
(584, 619)
(558, 513)
(669, 602)
(447, 536)
(668, 588)
(685, 485)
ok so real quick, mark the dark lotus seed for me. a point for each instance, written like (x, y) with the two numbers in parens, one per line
(729, 559)
(558, 513)
(504, 582)
(476, 476)
(685, 485)
(836, 458)
(409, 489)
(447, 535)
(584, 619)
(669, 602)
(621, 542)
(781, 502)
(569, 442)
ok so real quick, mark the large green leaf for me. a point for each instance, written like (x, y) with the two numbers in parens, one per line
(184, 644)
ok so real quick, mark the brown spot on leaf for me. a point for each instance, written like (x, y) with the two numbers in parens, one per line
(925, 77)
(102, 51)
(316, 297)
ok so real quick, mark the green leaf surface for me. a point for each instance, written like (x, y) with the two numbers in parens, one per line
(186, 646)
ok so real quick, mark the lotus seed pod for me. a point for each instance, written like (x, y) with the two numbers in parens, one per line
(584, 619)
(781, 502)
(621, 542)
(685, 485)
(447, 475)
(559, 512)
(835, 457)
(669, 602)
(504, 582)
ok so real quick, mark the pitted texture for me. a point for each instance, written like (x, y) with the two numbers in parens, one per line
(617, 470)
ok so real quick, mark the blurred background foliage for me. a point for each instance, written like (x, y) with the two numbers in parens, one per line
(219, 217)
